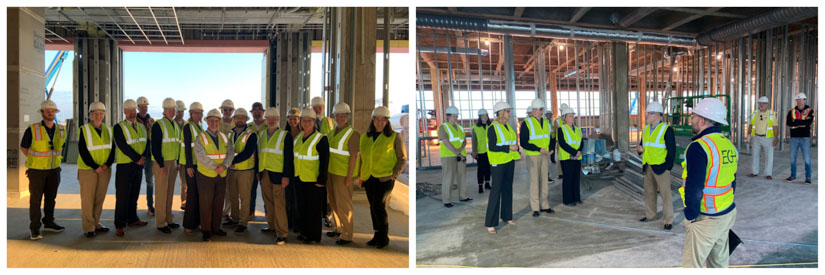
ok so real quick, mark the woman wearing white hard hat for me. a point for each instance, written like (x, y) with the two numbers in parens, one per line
(133, 154)
(570, 151)
(479, 150)
(763, 126)
(94, 157)
(344, 142)
(189, 186)
(799, 120)
(383, 157)
(214, 153)
(453, 158)
(311, 160)
(503, 151)
(293, 213)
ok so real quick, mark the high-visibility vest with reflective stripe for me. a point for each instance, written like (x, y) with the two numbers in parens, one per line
(194, 131)
(216, 152)
(377, 156)
(240, 144)
(456, 137)
(255, 128)
(271, 150)
(339, 152)
(769, 127)
(44, 153)
(327, 126)
(480, 133)
(170, 146)
(135, 138)
(99, 145)
(306, 159)
(717, 195)
(795, 114)
(556, 123)
(504, 137)
(539, 134)
(654, 144)
(573, 137)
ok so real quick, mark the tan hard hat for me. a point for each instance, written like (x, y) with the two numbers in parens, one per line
(214, 113)
(240, 112)
(308, 112)
(180, 106)
(317, 101)
(129, 104)
(272, 112)
(381, 111)
(228, 103)
(97, 106)
(48, 104)
(195, 106)
(142, 101)
(169, 103)
(341, 108)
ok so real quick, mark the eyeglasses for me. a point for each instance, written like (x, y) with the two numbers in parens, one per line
(228, 109)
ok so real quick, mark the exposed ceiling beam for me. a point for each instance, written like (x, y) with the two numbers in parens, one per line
(687, 19)
(519, 12)
(138, 25)
(567, 62)
(158, 24)
(452, 9)
(121, 29)
(178, 24)
(705, 12)
(577, 14)
(98, 25)
(61, 38)
(635, 16)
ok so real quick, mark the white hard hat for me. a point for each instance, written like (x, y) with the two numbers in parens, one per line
(169, 103)
(482, 112)
(764, 99)
(97, 106)
(308, 112)
(537, 104)
(48, 104)
(294, 112)
(501, 105)
(272, 112)
(563, 106)
(654, 107)
(317, 101)
(712, 109)
(213, 113)
(240, 112)
(381, 111)
(548, 111)
(567, 110)
(142, 101)
(129, 104)
(195, 106)
(341, 108)
(228, 103)
(180, 106)
(452, 110)
(801, 96)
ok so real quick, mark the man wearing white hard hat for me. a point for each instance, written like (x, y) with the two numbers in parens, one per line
(165, 145)
(535, 140)
(42, 144)
(570, 152)
(708, 188)
(257, 124)
(658, 151)
(343, 149)
(503, 151)
(147, 121)
(94, 158)
(242, 172)
(214, 152)
(324, 125)
(763, 126)
(274, 172)
(132, 154)
(189, 186)
(799, 120)
(226, 125)
(479, 150)
(180, 107)
(453, 157)
(311, 160)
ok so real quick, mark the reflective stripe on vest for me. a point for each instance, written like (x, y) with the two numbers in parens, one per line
(45, 153)
(194, 132)
(306, 160)
(99, 146)
(456, 137)
(271, 156)
(769, 132)
(340, 156)
(655, 151)
(89, 138)
(573, 137)
(340, 148)
(215, 152)
(542, 139)
(715, 197)
(240, 145)
(170, 143)
(504, 137)
(138, 143)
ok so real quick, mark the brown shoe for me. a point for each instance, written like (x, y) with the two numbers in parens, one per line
(139, 223)
(751, 175)
(120, 232)
(768, 177)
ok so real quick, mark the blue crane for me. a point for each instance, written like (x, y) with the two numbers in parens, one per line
(53, 71)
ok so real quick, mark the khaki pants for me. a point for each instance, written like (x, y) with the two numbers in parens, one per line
(452, 172)
(537, 169)
(164, 192)
(183, 185)
(276, 215)
(658, 183)
(240, 187)
(706, 240)
(340, 198)
(93, 188)
(759, 144)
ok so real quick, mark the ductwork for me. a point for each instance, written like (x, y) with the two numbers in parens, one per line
(771, 19)
(454, 50)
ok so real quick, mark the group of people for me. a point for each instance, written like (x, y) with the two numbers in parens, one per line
(309, 165)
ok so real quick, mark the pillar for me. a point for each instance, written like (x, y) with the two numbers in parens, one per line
(620, 105)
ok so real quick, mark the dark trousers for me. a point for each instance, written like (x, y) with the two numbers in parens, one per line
(310, 200)
(293, 216)
(500, 203)
(571, 170)
(326, 210)
(378, 195)
(127, 191)
(150, 185)
(192, 214)
(211, 193)
(254, 197)
(43, 187)
(483, 171)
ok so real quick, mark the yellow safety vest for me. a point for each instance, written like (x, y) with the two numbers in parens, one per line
(721, 170)
(654, 144)
(42, 155)
(99, 145)
(271, 150)
(456, 137)
(770, 124)
(339, 152)
(136, 138)
(216, 152)
(327, 126)
(170, 146)
(504, 137)
(481, 137)
(377, 156)
(194, 131)
(306, 159)
(572, 137)
(240, 144)
(256, 128)
(539, 134)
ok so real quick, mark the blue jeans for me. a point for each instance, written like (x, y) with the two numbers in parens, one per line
(803, 143)
(150, 185)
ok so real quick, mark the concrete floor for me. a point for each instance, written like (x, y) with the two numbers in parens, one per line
(605, 232)
(147, 247)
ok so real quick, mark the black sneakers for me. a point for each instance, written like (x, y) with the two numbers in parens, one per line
(165, 229)
(342, 242)
(90, 234)
(240, 229)
(280, 241)
(536, 213)
(102, 229)
(35, 235)
(53, 227)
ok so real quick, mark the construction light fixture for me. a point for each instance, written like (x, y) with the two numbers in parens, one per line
(676, 69)
(487, 42)
(561, 47)
(719, 56)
